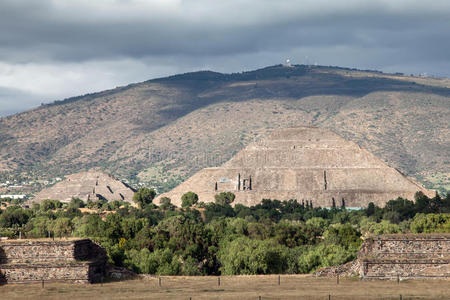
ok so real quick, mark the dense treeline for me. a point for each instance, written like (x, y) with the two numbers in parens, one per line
(216, 238)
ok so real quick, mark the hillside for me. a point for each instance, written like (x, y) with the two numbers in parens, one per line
(163, 130)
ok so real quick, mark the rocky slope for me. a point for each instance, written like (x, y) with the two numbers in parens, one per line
(166, 129)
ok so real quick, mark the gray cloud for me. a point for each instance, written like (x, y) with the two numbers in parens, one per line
(67, 44)
(14, 100)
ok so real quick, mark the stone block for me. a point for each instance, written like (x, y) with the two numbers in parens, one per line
(67, 260)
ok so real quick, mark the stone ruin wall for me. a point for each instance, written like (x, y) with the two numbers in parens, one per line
(36, 260)
(405, 256)
(391, 269)
(76, 273)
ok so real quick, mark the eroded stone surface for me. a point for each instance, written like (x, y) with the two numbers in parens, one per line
(405, 256)
(91, 185)
(36, 260)
(399, 256)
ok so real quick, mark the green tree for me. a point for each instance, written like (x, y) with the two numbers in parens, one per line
(144, 196)
(319, 224)
(62, 227)
(35, 207)
(248, 256)
(429, 223)
(189, 199)
(90, 225)
(293, 234)
(48, 204)
(165, 203)
(214, 211)
(398, 210)
(76, 203)
(422, 204)
(161, 262)
(115, 205)
(323, 256)
(370, 209)
(41, 226)
(190, 267)
(140, 261)
(344, 235)
(385, 227)
(224, 198)
(113, 227)
(131, 226)
(14, 216)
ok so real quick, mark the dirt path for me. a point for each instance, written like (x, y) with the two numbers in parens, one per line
(234, 287)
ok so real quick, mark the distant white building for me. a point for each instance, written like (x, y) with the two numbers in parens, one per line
(288, 63)
(12, 196)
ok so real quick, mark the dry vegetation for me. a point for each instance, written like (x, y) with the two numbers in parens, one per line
(235, 287)
(167, 129)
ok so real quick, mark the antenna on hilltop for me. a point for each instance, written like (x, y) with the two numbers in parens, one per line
(288, 63)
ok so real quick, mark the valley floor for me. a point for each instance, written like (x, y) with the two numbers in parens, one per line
(234, 287)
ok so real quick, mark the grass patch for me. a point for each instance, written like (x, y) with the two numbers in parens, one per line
(237, 287)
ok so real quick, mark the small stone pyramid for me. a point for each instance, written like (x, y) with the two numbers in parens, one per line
(90, 185)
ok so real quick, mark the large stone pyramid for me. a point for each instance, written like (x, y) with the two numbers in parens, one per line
(305, 163)
(90, 185)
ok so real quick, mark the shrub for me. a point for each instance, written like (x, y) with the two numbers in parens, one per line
(428, 223)
(144, 197)
(224, 198)
(189, 199)
(249, 256)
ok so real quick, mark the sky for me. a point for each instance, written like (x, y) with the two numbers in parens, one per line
(54, 49)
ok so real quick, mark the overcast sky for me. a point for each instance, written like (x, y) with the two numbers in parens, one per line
(51, 50)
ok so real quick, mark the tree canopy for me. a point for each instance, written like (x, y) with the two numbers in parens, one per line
(270, 237)
(189, 199)
(224, 198)
(144, 196)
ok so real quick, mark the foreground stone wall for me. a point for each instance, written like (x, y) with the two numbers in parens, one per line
(33, 251)
(405, 256)
(73, 272)
(418, 268)
(407, 246)
(36, 260)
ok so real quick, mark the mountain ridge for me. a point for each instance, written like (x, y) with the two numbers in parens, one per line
(197, 74)
(153, 130)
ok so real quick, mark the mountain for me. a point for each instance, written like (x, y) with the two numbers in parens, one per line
(305, 163)
(161, 131)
